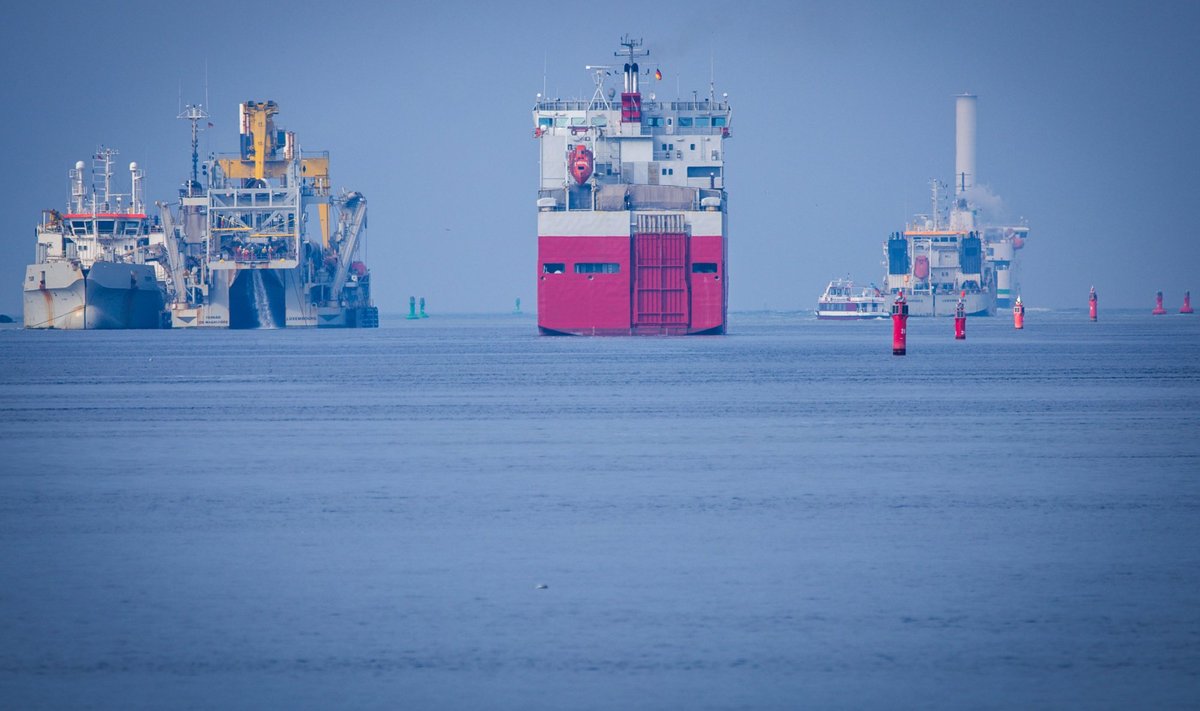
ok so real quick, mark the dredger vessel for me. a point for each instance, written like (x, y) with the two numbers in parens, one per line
(239, 251)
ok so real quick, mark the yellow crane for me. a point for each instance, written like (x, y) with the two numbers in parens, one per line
(266, 154)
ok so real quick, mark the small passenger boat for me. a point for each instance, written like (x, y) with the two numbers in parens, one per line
(842, 301)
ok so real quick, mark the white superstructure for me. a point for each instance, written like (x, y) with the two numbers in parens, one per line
(98, 264)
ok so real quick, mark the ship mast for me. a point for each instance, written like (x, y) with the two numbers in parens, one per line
(103, 158)
(934, 189)
(599, 100)
(632, 48)
(194, 113)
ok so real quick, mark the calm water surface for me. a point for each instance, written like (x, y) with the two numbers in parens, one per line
(787, 516)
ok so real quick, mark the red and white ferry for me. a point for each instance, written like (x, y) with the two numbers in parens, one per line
(632, 210)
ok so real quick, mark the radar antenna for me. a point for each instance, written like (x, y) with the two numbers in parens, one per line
(599, 100)
(632, 48)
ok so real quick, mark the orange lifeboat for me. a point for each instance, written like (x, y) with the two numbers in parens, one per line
(580, 164)
(921, 267)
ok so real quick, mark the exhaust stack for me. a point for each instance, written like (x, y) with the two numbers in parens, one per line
(964, 143)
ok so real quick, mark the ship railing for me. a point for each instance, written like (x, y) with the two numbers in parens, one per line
(237, 249)
(632, 201)
(700, 105)
(678, 132)
(561, 105)
(250, 198)
(581, 105)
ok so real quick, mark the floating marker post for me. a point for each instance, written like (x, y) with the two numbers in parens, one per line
(900, 325)
(423, 314)
(412, 308)
(1187, 303)
(1158, 307)
(960, 319)
(1018, 314)
(1092, 304)
(517, 308)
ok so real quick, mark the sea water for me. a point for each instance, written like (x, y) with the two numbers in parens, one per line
(458, 513)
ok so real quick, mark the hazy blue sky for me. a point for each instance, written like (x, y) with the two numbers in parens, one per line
(1088, 126)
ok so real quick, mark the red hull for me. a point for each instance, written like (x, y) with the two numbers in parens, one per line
(661, 283)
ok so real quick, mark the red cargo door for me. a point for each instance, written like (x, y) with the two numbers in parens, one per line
(660, 286)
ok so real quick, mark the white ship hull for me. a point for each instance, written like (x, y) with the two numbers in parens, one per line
(926, 304)
(110, 295)
(847, 310)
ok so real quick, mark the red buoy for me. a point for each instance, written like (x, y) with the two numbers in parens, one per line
(1092, 304)
(1187, 303)
(960, 319)
(1158, 307)
(899, 325)
(1018, 314)
(580, 163)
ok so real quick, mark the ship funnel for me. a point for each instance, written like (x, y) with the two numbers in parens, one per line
(964, 143)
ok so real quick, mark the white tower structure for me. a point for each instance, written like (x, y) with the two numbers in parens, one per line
(964, 144)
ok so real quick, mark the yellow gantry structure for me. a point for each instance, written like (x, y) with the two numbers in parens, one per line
(267, 153)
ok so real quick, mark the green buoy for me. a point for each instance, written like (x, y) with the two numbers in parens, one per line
(412, 308)
(517, 310)
(423, 314)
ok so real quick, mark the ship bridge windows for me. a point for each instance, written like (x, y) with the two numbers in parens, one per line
(105, 226)
(600, 120)
(718, 121)
(704, 267)
(685, 121)
(703, 121)
(560, 121)
(578, 120)
(652, 120)
(553, 267)
(597, 268)
(545, 121)
(704, 171)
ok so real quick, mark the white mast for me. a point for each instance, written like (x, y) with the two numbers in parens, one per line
(135, 197)
(77, 190)
(105, 158)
